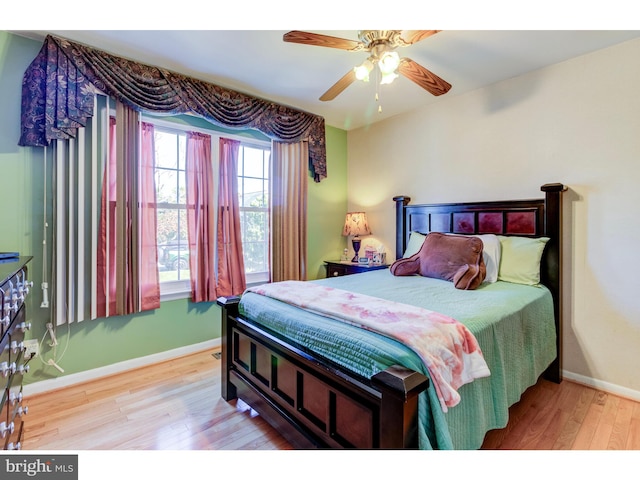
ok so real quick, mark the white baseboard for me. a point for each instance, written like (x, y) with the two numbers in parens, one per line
(603, 386)
(75, 378)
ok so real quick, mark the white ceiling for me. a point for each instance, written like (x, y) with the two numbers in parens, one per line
(260, 63)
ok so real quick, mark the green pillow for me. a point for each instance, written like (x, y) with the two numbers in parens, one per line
(520, 259)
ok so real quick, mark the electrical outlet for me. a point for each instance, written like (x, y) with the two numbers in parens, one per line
(32, 348)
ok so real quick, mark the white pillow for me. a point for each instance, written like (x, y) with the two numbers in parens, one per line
(416, 239)
(491, 251)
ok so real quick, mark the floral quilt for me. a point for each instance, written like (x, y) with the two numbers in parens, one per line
(449, 351)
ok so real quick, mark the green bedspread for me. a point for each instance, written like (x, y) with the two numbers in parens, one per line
(513, 324)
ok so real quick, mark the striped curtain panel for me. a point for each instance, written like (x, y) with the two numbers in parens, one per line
(77, 166)
(289, 211)
(128, 280)
(89, 277)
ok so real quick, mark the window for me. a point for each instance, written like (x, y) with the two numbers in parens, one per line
(253, 193)
(171, 198)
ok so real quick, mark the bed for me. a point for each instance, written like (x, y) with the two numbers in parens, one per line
(323, 383)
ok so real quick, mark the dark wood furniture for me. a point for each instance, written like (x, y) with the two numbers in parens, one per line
(340, 268)
(315, 403)
(14, 287)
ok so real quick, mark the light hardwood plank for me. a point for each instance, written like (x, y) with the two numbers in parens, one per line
(604, 430)
(567, 395)
(587, 429)
(621, 426)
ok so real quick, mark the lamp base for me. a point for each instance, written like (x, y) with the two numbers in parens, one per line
(356, 248)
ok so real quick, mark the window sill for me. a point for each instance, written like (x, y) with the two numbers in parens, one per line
(175, 291)
(179, 290)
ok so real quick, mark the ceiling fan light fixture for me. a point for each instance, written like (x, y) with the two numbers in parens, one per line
(389, 62)
(362, 71)
(387, 78)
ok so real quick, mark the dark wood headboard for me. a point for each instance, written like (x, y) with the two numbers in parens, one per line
(527, 218)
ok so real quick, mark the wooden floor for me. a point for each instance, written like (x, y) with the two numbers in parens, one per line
(176, 405)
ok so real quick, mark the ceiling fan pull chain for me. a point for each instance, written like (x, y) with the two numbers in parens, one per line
(377, 91)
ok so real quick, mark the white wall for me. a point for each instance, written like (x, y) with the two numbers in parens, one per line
(577, 122)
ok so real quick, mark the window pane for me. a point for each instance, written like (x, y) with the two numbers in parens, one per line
(241, 191)
(267, 159)
(255, 257)
(253, 193)
(170, 221)
(253, 163)
(165, 149)
(182, 151)
(240, 165)
(254, 226)
(182, 188)
(166, 186)
(254, 240)
(173, 248)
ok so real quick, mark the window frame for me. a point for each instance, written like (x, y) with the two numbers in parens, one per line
(180, 289)
(259, 277)
(171, 288)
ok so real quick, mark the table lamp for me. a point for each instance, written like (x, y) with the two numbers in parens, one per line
(356, 224)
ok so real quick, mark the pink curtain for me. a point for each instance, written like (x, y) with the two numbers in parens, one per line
(106, 298)
(200, 217)
(231, 275)
(127, 253)
(149, 279)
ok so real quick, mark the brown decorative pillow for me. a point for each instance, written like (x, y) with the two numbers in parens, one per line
(456, 258)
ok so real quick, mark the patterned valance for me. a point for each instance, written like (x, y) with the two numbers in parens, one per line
(59, 86)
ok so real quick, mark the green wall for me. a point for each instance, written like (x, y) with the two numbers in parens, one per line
(178, 323)
(327, 206)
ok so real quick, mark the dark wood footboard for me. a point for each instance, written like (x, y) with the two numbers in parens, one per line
(312, 403)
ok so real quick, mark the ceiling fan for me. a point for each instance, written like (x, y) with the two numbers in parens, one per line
(381, 44)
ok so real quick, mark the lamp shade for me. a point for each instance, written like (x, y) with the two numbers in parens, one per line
(356, 224)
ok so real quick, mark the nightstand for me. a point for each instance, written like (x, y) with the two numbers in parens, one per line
(338, 268)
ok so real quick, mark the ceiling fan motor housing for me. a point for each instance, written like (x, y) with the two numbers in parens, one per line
(390, 38)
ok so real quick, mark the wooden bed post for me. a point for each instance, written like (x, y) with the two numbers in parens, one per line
(552, 275)
(401, 201)
(229, 307)
(399, 408)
